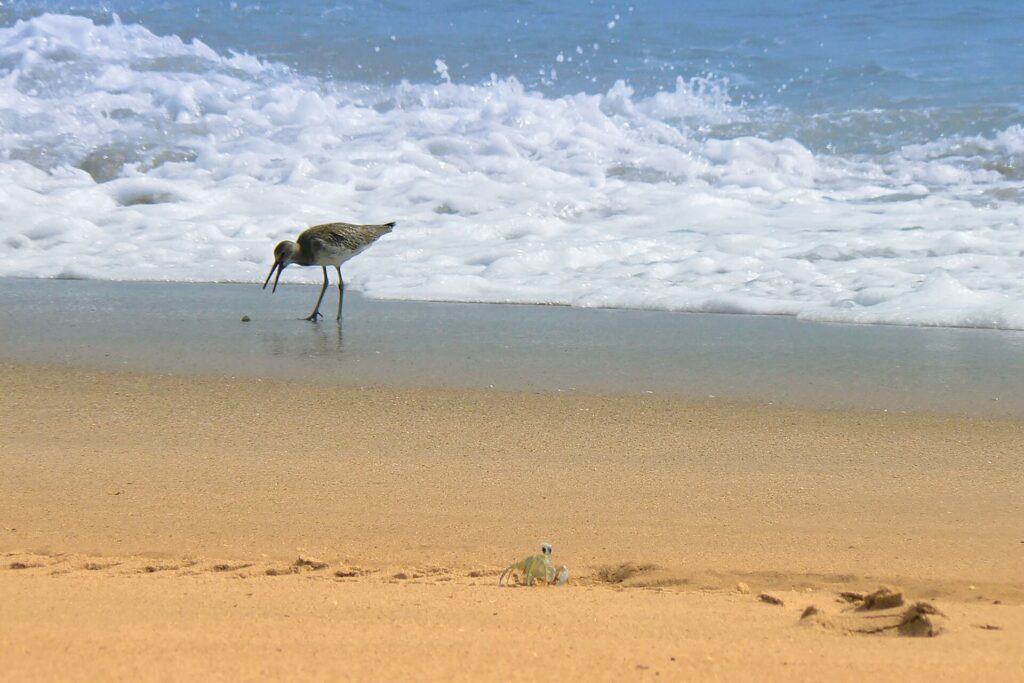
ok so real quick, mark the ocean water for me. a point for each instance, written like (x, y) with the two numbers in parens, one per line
(849, 162)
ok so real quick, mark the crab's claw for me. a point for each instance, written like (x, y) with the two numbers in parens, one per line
(563, 576)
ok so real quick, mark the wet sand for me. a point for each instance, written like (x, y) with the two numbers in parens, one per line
(196, 329)
(152, 526)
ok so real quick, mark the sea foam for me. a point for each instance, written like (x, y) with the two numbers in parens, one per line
(127, 155)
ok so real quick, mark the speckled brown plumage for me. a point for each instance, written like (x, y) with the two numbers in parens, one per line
(330, 244)
(346, 236)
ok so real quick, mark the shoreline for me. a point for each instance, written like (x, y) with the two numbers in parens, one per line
(190, 329)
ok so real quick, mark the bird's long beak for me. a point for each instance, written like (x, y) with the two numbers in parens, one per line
(279, 267)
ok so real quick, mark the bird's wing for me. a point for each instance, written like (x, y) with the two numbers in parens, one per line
(345, 235)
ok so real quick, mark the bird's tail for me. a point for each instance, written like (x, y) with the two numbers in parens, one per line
(390, 225)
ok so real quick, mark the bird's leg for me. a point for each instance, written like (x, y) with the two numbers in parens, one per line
(341, 290)
(316, 311)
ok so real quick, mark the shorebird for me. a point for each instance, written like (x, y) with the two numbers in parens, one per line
(330, 244)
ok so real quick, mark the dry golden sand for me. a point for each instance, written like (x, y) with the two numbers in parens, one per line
(150, 528)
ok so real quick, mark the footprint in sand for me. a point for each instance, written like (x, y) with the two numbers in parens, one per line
(277, 571)
(23, 565)
(883, 598)
(621, 573)
(309, 564)
(879, 613)
(299, 565)
(770, 599)
(353, 572)
(99, 566)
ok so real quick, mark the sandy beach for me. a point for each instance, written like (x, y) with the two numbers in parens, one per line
(318, 320)
(165, 526)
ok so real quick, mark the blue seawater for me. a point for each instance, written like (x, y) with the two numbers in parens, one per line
(846, 161)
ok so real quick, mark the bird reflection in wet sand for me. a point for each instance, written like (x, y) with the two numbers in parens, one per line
(326, 343)
(325, 245)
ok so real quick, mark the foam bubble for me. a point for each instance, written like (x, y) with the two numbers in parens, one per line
(134, 156)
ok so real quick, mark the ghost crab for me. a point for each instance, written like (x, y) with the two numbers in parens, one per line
(535, 568)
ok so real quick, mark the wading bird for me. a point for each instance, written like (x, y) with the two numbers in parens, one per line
(330, 244)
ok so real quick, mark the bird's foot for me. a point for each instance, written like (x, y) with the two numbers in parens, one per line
(312, 317)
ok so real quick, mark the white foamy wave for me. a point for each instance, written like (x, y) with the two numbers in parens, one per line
(132, 156)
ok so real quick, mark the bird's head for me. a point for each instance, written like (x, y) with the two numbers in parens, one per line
(284, 253)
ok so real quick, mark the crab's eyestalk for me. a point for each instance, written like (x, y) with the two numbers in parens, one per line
(546, 548)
